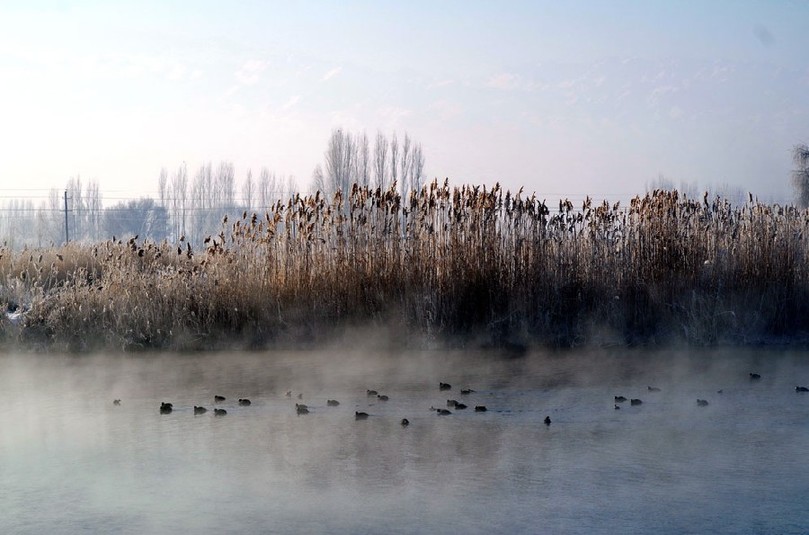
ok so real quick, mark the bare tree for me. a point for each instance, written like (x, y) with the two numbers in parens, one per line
(318, 179)
(162, 185)
(292, 185)
(380, 161)
(800, 175)
(394, 157)
(179, 200)
(94, 210)
(363, 161)
(347, 161)
(267, 189)
(404, 167)
(248, 190)
(417, 167)
(340, 162)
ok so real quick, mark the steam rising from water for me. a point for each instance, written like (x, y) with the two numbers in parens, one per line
(666, 465)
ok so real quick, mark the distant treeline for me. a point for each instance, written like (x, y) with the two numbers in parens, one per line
(467, 265)
(191, 204)
(184, 207)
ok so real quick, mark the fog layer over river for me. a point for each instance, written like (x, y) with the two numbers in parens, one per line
(71, 461)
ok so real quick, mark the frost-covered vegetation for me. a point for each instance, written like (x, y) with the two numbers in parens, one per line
(468, 265)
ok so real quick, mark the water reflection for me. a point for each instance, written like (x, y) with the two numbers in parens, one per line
(73, 461)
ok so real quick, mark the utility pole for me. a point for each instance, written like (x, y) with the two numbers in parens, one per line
(67, 232)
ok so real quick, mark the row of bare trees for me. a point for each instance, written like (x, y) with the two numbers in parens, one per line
(195, 206)
(349, 160)
(26, 223)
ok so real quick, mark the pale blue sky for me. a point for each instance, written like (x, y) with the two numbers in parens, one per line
(564, 98)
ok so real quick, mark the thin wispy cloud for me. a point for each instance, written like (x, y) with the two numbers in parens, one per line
(331, 74)
(293, 101)
(440, 83)
(250, 72)
(504, 81)
(392, 115)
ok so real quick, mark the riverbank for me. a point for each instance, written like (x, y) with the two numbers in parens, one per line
(445, 266)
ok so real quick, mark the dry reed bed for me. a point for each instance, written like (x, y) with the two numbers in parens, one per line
(480, 264)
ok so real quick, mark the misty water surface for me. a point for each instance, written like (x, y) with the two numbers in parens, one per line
(71, 461)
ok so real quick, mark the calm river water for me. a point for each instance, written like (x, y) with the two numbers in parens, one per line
(71, 461)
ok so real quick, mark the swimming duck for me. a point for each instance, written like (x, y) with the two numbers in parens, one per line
(754, 376)
(635, 401)
(702, 402)
(166, 408)
(332, 403)
(443, 412)
(620, 399)
(200, 410)
(451, 402)
(480, 408)
(372, 393)
(116, 401)
(219, 412)
(219, 399)
(801, 389)
(547, 420)
(405, 422)
(466, 391)
(382, 397)
(244, 402)
(360, 415)
(301, 409)
(652, 389)
(459, 406)
(444, 386)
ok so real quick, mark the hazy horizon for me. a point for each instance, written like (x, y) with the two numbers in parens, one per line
(598, 98)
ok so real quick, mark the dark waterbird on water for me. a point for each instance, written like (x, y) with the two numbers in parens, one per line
(116, 401)
(466, 391)
(219, 412)
(219, 399)
(480, 408)
(702, 402)
(460, 406)
(443, 412)
(332, 402)
(652, 389)
(635, 401)
(547, 420)
(801, 389)
(405, 422)
(754, 376)
(444, 386)
(372, 393)
(360, 415)
(300, 408)
(166, 408)
(451, 402)
(382, 397)
(620, 399)
(199, 410)
(244, 402)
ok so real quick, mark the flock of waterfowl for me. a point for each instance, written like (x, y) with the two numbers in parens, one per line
(700, 402)
(303, 409)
